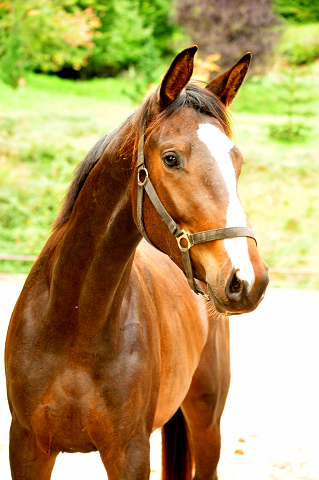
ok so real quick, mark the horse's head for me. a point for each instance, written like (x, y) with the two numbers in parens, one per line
(194, 168)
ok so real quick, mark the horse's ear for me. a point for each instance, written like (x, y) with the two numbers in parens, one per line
(227, 84)
(177, 76)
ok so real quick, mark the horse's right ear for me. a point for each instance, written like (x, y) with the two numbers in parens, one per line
(177, 76)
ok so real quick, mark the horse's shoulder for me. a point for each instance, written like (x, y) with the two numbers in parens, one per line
(149, 259)
(154, 272)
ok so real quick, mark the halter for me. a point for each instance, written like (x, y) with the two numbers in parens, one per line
(184, 239)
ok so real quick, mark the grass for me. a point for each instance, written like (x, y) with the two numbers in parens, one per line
(48, 127)
(45, 131)
(279, 183)
(279, 190)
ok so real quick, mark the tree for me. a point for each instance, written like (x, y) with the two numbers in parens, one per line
(43, 35)
(160, 15)
(122, 39)
(298, 11)
(85, 38)
(230, 28)
(133, 34)
(296, 101)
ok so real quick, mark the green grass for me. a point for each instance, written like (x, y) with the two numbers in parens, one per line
(48, 127)
(279, 188)
(268, 95)
(279, 183)
(45, 131)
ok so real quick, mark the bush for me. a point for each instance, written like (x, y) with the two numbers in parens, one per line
(43, 35)
(230, 28)
(300, 44)
(289, 132)
(296, 102)
(299, 11)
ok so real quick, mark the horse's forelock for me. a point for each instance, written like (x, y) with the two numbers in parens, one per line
(195, 97)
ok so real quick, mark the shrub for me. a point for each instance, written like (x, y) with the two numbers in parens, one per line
(295, 100)
(230, 28)
(300, 44)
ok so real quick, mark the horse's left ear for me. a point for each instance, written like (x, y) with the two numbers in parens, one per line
(177, 76)
(227, 84)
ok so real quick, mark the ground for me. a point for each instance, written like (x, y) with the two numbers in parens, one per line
(270, 427)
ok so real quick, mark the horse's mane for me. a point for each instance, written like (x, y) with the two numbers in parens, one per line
(193, 96)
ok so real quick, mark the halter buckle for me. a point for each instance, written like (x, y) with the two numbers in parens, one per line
(142, 170)
(184, 236)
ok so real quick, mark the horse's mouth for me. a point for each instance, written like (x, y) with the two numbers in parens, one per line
(239, 308)
(214, 299)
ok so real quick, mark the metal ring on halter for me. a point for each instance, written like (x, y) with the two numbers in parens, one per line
(184, 236)
(141, 170)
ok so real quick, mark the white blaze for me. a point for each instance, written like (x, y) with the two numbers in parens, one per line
(219, 146)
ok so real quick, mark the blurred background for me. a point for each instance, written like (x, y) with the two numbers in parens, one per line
(72, 70)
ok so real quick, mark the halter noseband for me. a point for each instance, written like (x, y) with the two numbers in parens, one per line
(184, 239)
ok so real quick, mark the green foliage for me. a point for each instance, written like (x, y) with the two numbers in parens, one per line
(134, 34)
(158, 14)
(272, 91)
(122, 39)
(279, 191)
(300, 44)
(258, 96)
(94, 38)
(290, 93)
(42, 35)
(289, 132)
(296, 102)
(12, 65)
(299, 11)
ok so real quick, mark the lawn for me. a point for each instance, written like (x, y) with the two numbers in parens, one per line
(47, 128)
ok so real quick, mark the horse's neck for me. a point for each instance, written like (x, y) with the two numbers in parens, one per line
(97, 249)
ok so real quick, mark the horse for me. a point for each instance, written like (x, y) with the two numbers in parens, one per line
(111, 338)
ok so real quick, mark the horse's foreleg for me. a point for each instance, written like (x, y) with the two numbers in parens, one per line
(27, 460)
(205, 401)
(130, 461)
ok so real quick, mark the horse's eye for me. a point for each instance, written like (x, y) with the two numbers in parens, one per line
(171, 161)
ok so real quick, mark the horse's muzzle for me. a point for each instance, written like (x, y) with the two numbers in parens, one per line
(233, 296)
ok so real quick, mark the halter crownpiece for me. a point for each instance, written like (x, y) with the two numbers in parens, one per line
(184, 239)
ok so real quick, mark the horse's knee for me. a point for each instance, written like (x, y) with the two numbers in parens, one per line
(27, 460)
(130, 460)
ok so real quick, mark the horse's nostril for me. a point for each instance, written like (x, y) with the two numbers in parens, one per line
(235, 285)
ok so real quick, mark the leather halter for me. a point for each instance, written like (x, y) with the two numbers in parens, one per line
(184, 239)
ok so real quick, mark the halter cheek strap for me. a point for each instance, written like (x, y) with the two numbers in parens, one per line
(184, 239)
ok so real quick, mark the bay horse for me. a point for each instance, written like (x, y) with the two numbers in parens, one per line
(109, 340)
